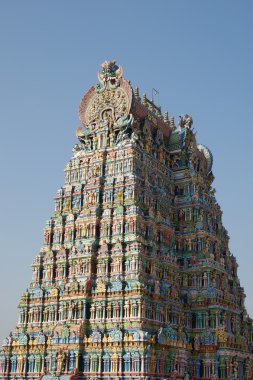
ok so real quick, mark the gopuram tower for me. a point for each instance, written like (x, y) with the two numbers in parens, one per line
(135, 279)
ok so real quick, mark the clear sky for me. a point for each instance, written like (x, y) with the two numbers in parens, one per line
(197, 54)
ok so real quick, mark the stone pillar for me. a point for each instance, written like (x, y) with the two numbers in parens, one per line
(66, 362)
(76, 359)
(142, 363)
(99, 363)
(120, 364)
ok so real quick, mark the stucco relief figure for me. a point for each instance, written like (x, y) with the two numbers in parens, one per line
(196, 343)
(107, 120)
(60, 359)
(47, 237)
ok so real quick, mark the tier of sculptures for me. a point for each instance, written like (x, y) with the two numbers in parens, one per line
(135, 278)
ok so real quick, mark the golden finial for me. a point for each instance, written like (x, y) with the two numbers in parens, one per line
(166, 117)
(144, 99)
(172, 122)
(136, 92)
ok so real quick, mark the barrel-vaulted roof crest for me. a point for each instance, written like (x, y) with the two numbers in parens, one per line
(111, 100)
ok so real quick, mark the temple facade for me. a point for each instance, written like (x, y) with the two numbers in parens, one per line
(135, 279)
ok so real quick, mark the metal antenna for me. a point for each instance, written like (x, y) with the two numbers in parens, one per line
(155, 93)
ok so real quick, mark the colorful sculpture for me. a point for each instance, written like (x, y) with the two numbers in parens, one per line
(135, 278)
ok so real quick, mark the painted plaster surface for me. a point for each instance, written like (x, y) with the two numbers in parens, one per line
(135, 279)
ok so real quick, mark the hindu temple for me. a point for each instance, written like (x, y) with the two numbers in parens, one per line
(135, 279)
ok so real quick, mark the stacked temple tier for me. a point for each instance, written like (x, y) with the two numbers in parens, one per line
(135, 279)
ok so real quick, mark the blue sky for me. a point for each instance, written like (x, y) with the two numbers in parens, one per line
(197, 54)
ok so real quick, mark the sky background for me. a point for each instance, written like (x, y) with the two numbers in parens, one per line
(197, 54)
